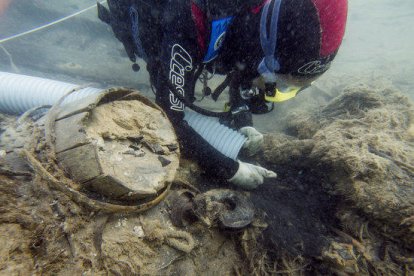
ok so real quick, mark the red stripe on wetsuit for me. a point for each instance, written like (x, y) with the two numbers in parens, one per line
(200, 22)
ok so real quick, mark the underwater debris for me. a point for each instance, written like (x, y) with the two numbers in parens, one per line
(181, 208)
(224, 208)
(69, 230)
(59, 234)
(358, 151)
(74, 136)
(106, 139)
(178, 239)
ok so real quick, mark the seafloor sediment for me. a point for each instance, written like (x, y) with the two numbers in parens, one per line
(342, 204)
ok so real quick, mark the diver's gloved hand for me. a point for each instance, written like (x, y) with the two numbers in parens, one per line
(249, 176)
(254, 141)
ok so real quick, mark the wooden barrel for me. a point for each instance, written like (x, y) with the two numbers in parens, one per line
(117, 144)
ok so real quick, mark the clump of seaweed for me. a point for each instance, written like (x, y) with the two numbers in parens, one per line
(360, 147)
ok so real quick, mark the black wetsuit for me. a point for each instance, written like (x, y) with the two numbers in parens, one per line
(176, 38)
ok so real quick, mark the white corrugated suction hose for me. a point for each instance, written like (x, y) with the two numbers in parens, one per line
(224, 139)
(19, 93)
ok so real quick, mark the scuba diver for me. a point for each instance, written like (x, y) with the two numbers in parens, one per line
(268, 50)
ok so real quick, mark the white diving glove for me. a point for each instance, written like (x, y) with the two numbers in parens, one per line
(254, 141)
(249, 176)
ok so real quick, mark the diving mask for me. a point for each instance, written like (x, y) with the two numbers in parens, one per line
(280, 91)
(281, 88)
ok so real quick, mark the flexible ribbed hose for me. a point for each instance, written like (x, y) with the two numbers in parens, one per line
(224, 139)
(19, 93)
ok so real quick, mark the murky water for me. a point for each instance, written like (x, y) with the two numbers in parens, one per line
(377, 42)
(377, 51)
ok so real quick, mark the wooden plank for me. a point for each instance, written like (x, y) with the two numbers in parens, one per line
(82, 105)
(111, 187)
(88, 103)
(70, 132)
(107, 185)
(81, 163)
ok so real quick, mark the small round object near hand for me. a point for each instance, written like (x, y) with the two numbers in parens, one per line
(136, 67)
